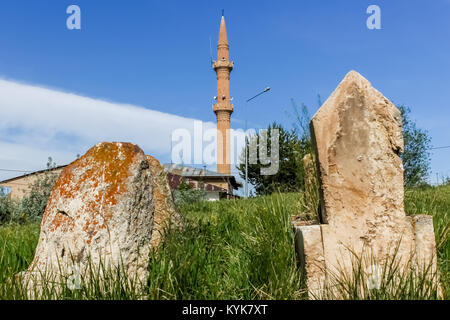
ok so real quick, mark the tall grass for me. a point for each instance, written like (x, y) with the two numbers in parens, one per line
(435, 201)
(392, 279)
(17, 244)
(237, 249)
(228, 250)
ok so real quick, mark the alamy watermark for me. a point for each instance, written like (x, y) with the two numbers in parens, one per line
(200, 148)
(374, 20)
(74, 281)
(374, 276)
(73, 22)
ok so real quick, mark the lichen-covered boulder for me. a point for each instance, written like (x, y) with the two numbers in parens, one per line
(106, 211)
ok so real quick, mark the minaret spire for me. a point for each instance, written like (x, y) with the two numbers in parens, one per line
(223, 108)
(222, 47)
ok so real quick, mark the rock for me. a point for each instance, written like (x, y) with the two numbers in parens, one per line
(311, 193)
(357, 135)
(106, 210)
(308, 242)
(166, 214)
(424, 240)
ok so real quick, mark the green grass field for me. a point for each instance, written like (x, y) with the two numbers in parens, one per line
(241, 249)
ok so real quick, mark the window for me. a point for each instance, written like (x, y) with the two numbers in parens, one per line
(4, 191)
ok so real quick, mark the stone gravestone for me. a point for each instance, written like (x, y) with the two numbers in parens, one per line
(311, 184)
(357, 135)
(108, 208)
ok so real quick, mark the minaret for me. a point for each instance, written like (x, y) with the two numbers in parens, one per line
(223, 108)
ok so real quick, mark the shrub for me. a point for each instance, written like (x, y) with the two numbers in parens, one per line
(8, 209)
(186, 195)
(32, 207)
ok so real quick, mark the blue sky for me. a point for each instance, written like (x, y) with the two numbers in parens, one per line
(156, 55)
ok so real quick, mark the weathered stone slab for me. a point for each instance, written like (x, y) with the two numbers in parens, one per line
(424, 240)
(311, 193)
(358, 138)
(308, 241)
(357, 135)
(424, 237)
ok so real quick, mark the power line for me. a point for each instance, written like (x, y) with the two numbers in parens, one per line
(29, 171)
(444, 147)
(11, 170)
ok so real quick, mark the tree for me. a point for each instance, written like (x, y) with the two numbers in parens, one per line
(296, 143)
(288, 178)
(416, 157)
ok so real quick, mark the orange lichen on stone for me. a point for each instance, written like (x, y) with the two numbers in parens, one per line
(113, 161)
(61, 220)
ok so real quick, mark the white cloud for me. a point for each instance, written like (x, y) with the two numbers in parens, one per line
(36, 122)
(22, 157)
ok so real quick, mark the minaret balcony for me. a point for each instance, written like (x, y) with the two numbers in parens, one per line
(223, 106)
(223, 64)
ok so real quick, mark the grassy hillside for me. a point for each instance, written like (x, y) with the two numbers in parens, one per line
(239, 249)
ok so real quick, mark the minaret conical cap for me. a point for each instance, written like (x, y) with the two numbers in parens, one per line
(223, 32)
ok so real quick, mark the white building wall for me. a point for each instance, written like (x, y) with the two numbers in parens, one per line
(212, 196)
